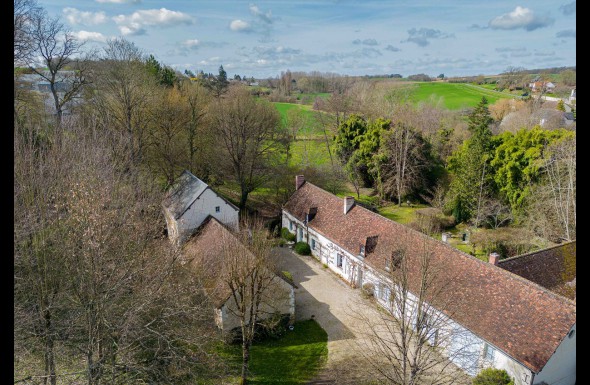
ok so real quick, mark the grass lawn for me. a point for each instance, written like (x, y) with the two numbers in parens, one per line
(455, 95)
(403, 214)
(312, 126)
(293, 359)
(310, 153)
(309, 98)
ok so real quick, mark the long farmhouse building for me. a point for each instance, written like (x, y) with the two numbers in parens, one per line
(511, 322)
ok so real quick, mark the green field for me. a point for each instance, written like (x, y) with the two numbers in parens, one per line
(454, 95)
(308, 98)
(284, 107)
(311, 126)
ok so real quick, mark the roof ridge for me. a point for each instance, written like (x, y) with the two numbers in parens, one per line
(537, 251)
(500, 270)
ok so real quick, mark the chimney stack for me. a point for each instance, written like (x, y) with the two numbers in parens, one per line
(299, 180)
(494, 258)
(348, 203)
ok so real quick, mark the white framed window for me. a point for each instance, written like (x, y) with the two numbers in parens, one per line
(312, 243)
(488, 353)
(217, 209)
(290, 225)
(339, 260)
(384, 292)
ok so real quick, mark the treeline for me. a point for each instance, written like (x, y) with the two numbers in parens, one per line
(552, 70)
(524, 178)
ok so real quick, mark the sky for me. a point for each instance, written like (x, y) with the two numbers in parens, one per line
(350, 37)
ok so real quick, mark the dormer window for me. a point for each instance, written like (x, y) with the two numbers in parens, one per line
(395, 261)
(362, 250)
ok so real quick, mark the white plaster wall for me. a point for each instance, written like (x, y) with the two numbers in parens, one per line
(561, 367)
(204, 206)
(462, 347)
(326, 251)
(521, 374)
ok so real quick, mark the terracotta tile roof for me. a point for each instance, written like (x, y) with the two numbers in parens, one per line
(205, 248)
(551, 268)
(523, 319)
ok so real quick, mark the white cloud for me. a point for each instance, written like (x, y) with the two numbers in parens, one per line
(119, 1)
(265, 17)
(193, 43)
(520, 18)
(90, 36)
(134, 23)
(392, 48)
(74, 16)
(239, 26)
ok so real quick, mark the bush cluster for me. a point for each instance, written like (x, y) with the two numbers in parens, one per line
(285, 233)
(302, 248)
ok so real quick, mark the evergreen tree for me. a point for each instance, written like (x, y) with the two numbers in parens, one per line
(469, 166)
(217, 84)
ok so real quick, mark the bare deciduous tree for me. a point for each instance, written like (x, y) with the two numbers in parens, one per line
(250, 275)
(25, 11)
(249, 136)
(553, 203)
(124, 91)
(99, 297)
(402, 161)
(197, 139)
(57, 48)
(165, 141)
(412, 342)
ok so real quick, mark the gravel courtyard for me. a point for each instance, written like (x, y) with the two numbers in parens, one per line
(331, 302)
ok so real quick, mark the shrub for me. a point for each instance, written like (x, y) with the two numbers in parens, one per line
(493, 376)
(302, 248)
(280, 242)
(288, 275)
(431, 220)
(285, 233)
(368, 289)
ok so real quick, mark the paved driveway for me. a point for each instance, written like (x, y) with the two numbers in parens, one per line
(332, 303)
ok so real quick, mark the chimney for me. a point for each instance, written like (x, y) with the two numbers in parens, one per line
(348, 203)
(299, 181)
(494, 258)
